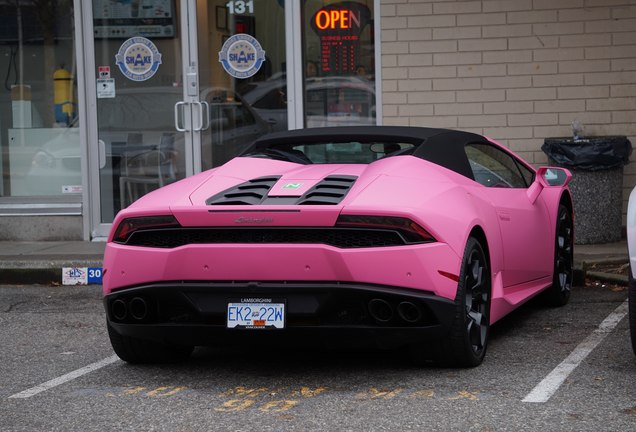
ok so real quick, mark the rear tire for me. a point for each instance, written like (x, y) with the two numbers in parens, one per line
(559, 292)
(138, 351)
(632, 309)
(467, 341)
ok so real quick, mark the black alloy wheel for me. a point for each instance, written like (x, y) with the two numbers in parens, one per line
(631, 295)
(477, 300)
(559, 293)
(467, 341)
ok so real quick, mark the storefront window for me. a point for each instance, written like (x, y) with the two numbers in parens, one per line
(39, 134)
(338, 54)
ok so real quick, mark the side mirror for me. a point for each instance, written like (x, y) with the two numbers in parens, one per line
(551, 176)
(548, 177)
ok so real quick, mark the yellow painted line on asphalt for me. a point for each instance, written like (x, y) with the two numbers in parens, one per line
(374, 393)
(551, 383)
(241, 398)
(235, 405)
(278, 406)
(165, 391)
(465, 395)
(64, 378)
(306, 392)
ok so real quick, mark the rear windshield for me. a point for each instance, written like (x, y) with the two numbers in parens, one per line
(334, 152)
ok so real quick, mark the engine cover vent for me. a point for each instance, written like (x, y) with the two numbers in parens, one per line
(329, 191)
(249, 193)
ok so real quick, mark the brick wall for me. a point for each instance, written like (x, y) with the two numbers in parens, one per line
(515, 70)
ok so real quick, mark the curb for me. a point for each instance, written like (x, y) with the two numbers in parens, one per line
(609, 277)
(31, 276)
(39, 272)
(584, 268)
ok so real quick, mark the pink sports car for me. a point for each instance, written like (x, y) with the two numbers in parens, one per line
(375, 235)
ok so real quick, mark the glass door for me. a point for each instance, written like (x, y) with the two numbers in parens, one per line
(142, 116)
(242, 73)
(181, 86)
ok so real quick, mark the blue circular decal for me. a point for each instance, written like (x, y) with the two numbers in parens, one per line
(138, 59)
(241, 56)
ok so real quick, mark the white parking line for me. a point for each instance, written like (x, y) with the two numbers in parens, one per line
(64, 378)
(551, 383)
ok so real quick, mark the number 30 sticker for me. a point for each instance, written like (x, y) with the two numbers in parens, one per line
(95, 275)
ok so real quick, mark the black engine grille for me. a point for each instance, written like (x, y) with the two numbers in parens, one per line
(249, 193)
(329, 191)
(337, 237)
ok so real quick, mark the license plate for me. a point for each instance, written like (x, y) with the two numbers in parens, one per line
(257, 313)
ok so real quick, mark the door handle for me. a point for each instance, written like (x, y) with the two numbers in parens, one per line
(178, 109)
(207, 115)
(198, 127)
(101, 153)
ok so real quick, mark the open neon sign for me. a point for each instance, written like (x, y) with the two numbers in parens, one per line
(345, 18)
(337, 19)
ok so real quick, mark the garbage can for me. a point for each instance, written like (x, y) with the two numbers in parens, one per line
(597, 165)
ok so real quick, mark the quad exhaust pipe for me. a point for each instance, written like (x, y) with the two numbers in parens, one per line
(136, 308)
(409, 312)
(383, 311)
(119, 310)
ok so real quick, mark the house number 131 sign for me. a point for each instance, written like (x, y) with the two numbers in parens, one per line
(240, 7)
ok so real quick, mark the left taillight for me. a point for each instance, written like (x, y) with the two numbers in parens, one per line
(410, 231)
(128, 226)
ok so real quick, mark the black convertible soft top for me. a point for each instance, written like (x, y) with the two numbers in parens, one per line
(444, 147)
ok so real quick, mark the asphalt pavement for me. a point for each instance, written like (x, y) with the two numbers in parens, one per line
(550, 369)
(556, 369)
(23, 262)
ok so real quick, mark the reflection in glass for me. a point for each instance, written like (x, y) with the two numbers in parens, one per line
(143, 150)
(39, 139)
(241, 109)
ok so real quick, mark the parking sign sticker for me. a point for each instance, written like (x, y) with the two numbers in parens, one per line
(82, 276)
(74, 276)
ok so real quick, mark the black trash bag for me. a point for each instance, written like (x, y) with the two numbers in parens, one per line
(590, 154)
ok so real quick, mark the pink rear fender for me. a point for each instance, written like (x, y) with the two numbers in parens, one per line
(445, 203)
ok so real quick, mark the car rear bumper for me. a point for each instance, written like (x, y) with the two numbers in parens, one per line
(339, 314)
(423, 267)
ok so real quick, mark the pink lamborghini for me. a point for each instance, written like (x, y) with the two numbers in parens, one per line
(383, 236)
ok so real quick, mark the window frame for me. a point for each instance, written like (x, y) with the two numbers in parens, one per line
(518, 171)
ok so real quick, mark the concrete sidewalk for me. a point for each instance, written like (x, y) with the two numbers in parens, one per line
(42, 262)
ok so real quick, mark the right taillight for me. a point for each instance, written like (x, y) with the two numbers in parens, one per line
(130, 225)
(411, 231)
